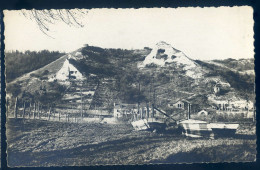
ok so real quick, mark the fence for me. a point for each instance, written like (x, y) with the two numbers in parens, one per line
(239, 113)
(39, 112)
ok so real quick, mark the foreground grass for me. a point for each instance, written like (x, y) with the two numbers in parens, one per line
(42, 143)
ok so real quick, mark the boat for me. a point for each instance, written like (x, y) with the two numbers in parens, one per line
(223, 129)
(141, 124)
(196, 128)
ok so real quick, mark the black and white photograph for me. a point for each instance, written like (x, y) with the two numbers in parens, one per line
(0, 96)
(104, 86)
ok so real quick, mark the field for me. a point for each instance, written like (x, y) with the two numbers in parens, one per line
(44, 143)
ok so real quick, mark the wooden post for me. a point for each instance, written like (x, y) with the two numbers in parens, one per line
(147, 112)
(38, 110)
(141, 114)
(68, 117)
(30, 110)
(15, 108)
(59, 116)
(189, 107)
(23, 110)
(54, 115)
(34, 110)
(152, 110)
(49, 114)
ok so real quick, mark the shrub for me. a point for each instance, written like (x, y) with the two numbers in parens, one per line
(46, 72)
(152, 65)
(14, 89)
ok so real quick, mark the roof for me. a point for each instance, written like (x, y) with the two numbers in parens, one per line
(202, 111)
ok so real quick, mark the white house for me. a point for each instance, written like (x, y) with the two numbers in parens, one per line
(203, 112)
(181, 104)
(67, 71)
(216, 88)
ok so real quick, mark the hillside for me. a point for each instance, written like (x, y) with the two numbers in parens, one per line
(241, 65)
(97, 77)
(19, 63)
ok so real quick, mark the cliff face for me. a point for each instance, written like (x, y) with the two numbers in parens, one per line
(163, 54)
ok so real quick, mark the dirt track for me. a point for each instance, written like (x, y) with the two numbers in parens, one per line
(42, 143)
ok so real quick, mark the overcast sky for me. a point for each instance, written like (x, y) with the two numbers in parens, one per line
(201, 33)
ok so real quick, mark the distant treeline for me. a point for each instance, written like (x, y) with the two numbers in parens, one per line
(19, 63)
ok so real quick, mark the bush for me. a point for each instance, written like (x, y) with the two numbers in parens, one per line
(46, 72)
(14, 89)
(35, 75)
(152, 65)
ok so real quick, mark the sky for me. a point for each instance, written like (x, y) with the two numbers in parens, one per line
(201, 33)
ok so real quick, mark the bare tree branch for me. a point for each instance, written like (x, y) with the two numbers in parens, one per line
(45, 18)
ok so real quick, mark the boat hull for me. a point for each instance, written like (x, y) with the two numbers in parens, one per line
(196, 129)
(223, 129)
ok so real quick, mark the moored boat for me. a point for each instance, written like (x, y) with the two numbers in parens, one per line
(223, 129)
(196, 128)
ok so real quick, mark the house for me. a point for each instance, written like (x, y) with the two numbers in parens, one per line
(221, 88)
(203, 112)
(214, 106)
(217, 88)
(121, 109)
(180, 104)
(132, 109)
(66, 72)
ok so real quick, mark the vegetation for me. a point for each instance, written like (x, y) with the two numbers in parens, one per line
(242, 83)
(14, 89)
(129, 83)
(239, 65)
(19, 63)
(119, 64)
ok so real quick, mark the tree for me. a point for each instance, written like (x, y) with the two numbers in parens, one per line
(44, 18)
